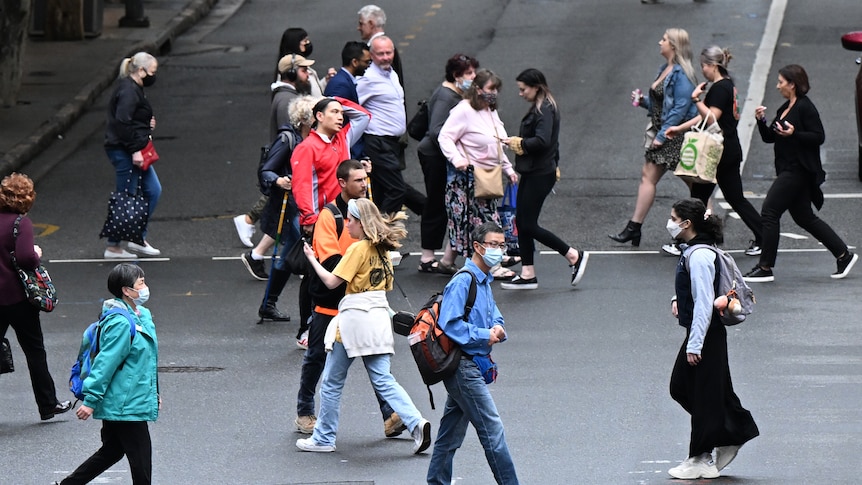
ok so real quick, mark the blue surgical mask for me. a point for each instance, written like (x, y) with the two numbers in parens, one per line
(465, 84)
(143, 295)
(492, 256)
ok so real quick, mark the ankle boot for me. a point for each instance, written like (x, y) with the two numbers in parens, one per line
(632, 233)
(268, 311)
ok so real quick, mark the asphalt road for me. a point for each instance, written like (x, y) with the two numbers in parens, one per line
(583, 385)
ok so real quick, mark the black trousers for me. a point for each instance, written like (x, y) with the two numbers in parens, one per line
(24, 319)
(129, 438)
(730, 182)
(434, 220)
(705, 391)
(532, 192)
(791, 191)
(388, 188)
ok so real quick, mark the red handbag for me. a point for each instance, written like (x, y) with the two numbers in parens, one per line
(149, 154)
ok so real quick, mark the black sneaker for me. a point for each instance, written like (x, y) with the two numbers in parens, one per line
(271, 312)
(753, 249)
(579, 267)
(254, 266)
(759, 275)
(518, 283)
(845, 264)
(671, 249)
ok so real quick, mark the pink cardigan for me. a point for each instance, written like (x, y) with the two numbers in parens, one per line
(473, 132)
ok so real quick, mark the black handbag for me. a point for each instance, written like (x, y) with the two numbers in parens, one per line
(296, 260)
(38, 286)
(417, 127)
(6, 365)
(127, 216)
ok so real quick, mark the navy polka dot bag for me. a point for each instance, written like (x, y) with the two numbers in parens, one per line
(127, 217)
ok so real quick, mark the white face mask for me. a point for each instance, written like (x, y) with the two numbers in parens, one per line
(673, 228)
(143, 296)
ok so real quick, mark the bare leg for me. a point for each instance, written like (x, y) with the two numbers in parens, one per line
(650, 175)
(264, 246)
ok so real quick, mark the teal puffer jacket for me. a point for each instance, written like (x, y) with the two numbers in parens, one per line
(123, 383)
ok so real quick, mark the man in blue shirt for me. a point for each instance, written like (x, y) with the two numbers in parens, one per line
(355, 59)
(469, 400)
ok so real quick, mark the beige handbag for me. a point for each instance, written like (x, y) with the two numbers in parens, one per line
(487, 182)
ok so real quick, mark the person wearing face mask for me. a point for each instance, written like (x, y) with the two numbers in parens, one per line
(469, 400)
(472, 138)
(129, 128)
(295, 41)
(460, 71)
(700, 381)
(122, 388)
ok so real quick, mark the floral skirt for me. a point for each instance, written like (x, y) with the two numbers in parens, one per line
(668, 154)
(465, 211)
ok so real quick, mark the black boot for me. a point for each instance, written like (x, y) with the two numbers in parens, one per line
(268, 311)
(632, 233)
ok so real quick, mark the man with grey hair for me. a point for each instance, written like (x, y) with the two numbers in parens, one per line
(372, 20)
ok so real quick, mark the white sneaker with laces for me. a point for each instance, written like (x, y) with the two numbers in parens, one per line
(146, 249)
(244, 230)
(695, 467)
(308, 444)
(421, 436)
(123, 254)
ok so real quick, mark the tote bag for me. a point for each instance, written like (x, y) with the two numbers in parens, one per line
(506, 211)
(701, 151)
(127, 217)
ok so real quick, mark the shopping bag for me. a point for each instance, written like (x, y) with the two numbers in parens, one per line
(701, 151)
(127, 217)
(506, 211)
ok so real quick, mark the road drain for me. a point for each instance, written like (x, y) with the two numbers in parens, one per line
(188, 368)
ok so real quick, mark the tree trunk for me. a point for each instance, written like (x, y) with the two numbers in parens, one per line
(14, 15)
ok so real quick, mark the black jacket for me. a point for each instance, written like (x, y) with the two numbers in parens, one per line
(129, 115)
(540, 132)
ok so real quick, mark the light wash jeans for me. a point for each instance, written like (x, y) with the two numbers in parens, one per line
(469, 402)
(334, 375)
(127, 180)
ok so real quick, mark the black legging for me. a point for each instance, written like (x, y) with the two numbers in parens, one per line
(434, 220)
(532, 191)
(791, 191)
(730, 182)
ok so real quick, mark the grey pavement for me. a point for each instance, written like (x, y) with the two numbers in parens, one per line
(62, 79)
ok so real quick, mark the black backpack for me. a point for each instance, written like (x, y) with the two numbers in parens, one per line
(275, 157)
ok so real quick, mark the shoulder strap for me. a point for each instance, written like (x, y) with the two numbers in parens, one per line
(471, 294)
(339, 218)
(115, 311)
(15, 241)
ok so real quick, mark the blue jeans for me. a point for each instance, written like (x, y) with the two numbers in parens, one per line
(334, 375)
(127, 180)
(470, 402)
(312, 367)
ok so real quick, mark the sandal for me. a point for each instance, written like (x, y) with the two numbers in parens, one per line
(448, 269)
(503, 274)
(428, 266)
(511, 261)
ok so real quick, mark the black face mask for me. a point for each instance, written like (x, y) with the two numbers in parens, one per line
(308, 49)
(149, 80)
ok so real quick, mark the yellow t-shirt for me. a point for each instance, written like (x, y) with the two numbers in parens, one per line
(362, 267)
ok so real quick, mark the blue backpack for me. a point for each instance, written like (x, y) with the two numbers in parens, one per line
(89, 349)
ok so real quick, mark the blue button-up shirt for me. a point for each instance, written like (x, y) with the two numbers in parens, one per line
(473, 334)
(382, 95)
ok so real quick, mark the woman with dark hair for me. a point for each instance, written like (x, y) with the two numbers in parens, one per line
(129, 128)
(295, 41)
(471, 138)
(16, 199)
(721, 105)
(122, 388)
(537, 151)
(797, 133)
(460, 72)
(700, 381)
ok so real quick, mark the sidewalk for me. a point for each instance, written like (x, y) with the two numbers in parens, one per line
(62, 79)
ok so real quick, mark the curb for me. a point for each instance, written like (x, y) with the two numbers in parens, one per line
(43, 136)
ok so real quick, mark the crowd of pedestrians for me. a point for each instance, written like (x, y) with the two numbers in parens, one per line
(338, 190)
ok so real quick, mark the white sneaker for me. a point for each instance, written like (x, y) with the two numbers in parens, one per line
(302, 341)
(146, 249)
(671, 249)
(695, 467)
(308, 444)
(421, 436)
(123, 254)
(724, 455)
(244, 230)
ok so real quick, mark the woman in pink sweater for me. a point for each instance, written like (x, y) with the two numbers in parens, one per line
(471, 137)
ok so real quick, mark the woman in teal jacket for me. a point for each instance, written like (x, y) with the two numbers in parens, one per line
(122, 388)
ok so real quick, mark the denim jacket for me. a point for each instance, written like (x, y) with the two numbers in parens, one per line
(677, 106)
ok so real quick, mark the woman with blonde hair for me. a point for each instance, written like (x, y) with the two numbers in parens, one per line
(130, 127)
(669, 104)
(363, 327)
(16, 199)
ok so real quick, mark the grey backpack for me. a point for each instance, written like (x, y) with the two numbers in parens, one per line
(731, 284)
